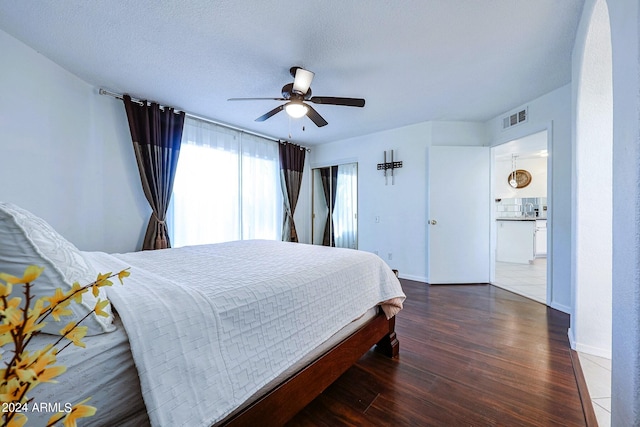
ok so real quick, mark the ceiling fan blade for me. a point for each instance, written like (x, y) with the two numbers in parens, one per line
(256, 99)
(302, 80)
(315, 117)
(270, 113)
(332, 100)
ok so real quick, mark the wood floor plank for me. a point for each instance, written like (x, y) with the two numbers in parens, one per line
(470, 355)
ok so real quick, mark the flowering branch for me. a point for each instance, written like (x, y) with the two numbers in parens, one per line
(18, 324)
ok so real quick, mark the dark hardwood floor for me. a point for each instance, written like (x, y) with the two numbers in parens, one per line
(472, 355)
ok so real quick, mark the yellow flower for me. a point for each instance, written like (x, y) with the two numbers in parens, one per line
(31, 273)
(31, 326)
(47, 374)
(44, 358)
(100, 305)
(58, 311)
(5, 336)
(103, 280)
(77, 291)
(26, 359)
(18, 420)
(58, 303)
(78, 411)
(122, 275)
(9, 389)
(37, 308)
(74, 333)
(13, 313)
(57, 297)
(26, 375)
(56, 418)
(5, 291)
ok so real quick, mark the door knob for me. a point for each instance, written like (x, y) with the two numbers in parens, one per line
(433, 222)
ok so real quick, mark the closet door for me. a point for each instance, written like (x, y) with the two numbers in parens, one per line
(458, 215)
(320, 206)
(345, 211)
(335, 206)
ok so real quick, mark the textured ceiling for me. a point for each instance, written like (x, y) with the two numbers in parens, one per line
(412, 60)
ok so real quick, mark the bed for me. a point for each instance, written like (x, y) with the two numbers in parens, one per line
(238, 333)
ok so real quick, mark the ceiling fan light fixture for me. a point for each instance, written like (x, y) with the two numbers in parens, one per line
(302, 81)
(297, 94)
(296, 109)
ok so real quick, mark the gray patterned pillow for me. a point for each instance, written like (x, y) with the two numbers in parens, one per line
(27, 240)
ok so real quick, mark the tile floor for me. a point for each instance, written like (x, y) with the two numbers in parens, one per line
(530, 280)
(597, 374)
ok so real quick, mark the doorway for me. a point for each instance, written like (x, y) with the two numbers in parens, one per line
(520, 177)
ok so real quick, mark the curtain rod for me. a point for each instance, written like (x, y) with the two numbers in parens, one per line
(102, 91)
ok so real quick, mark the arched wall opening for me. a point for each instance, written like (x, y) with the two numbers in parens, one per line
(592, 187)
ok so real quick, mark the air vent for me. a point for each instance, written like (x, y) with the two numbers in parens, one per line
(515, 119)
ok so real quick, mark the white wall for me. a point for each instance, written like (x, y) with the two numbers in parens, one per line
(553, 113)
(401, 208)
(66, 153)
(592, 185)
(625, 376)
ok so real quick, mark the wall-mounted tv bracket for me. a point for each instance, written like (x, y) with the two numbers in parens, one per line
(389, 165)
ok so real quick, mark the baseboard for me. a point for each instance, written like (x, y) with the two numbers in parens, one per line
(412, 277)
(583, 391)
(572, 338)
(595, 351)
(560, 307)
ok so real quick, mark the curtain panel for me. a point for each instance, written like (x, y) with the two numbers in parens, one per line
(329, 184)
(156, 134)
(292, 158)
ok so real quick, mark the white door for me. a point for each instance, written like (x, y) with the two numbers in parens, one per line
(459, 215)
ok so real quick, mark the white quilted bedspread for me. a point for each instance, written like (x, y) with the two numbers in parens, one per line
(210, 325)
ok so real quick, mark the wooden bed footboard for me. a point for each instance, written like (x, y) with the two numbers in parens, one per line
(280, 404)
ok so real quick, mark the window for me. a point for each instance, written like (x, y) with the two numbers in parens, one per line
(227, 187)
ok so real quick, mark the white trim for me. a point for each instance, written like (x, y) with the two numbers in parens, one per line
(583, 348)
(523, 133)
(560, 307)
(334, 163)
(414, 278)
(595, 351)
(572, 340)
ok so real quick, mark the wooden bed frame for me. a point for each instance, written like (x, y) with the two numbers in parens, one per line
(280, 404)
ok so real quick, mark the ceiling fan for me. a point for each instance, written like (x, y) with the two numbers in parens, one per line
(298, 94)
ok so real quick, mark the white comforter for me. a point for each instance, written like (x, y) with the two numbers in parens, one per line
(210, 325)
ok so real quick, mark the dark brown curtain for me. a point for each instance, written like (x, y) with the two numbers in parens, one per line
(329, 181)
(291, 168)
(156, 134)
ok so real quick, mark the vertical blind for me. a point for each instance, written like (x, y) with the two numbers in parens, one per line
(226, 187)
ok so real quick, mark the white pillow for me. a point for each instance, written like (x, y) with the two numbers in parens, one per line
(28, 240)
